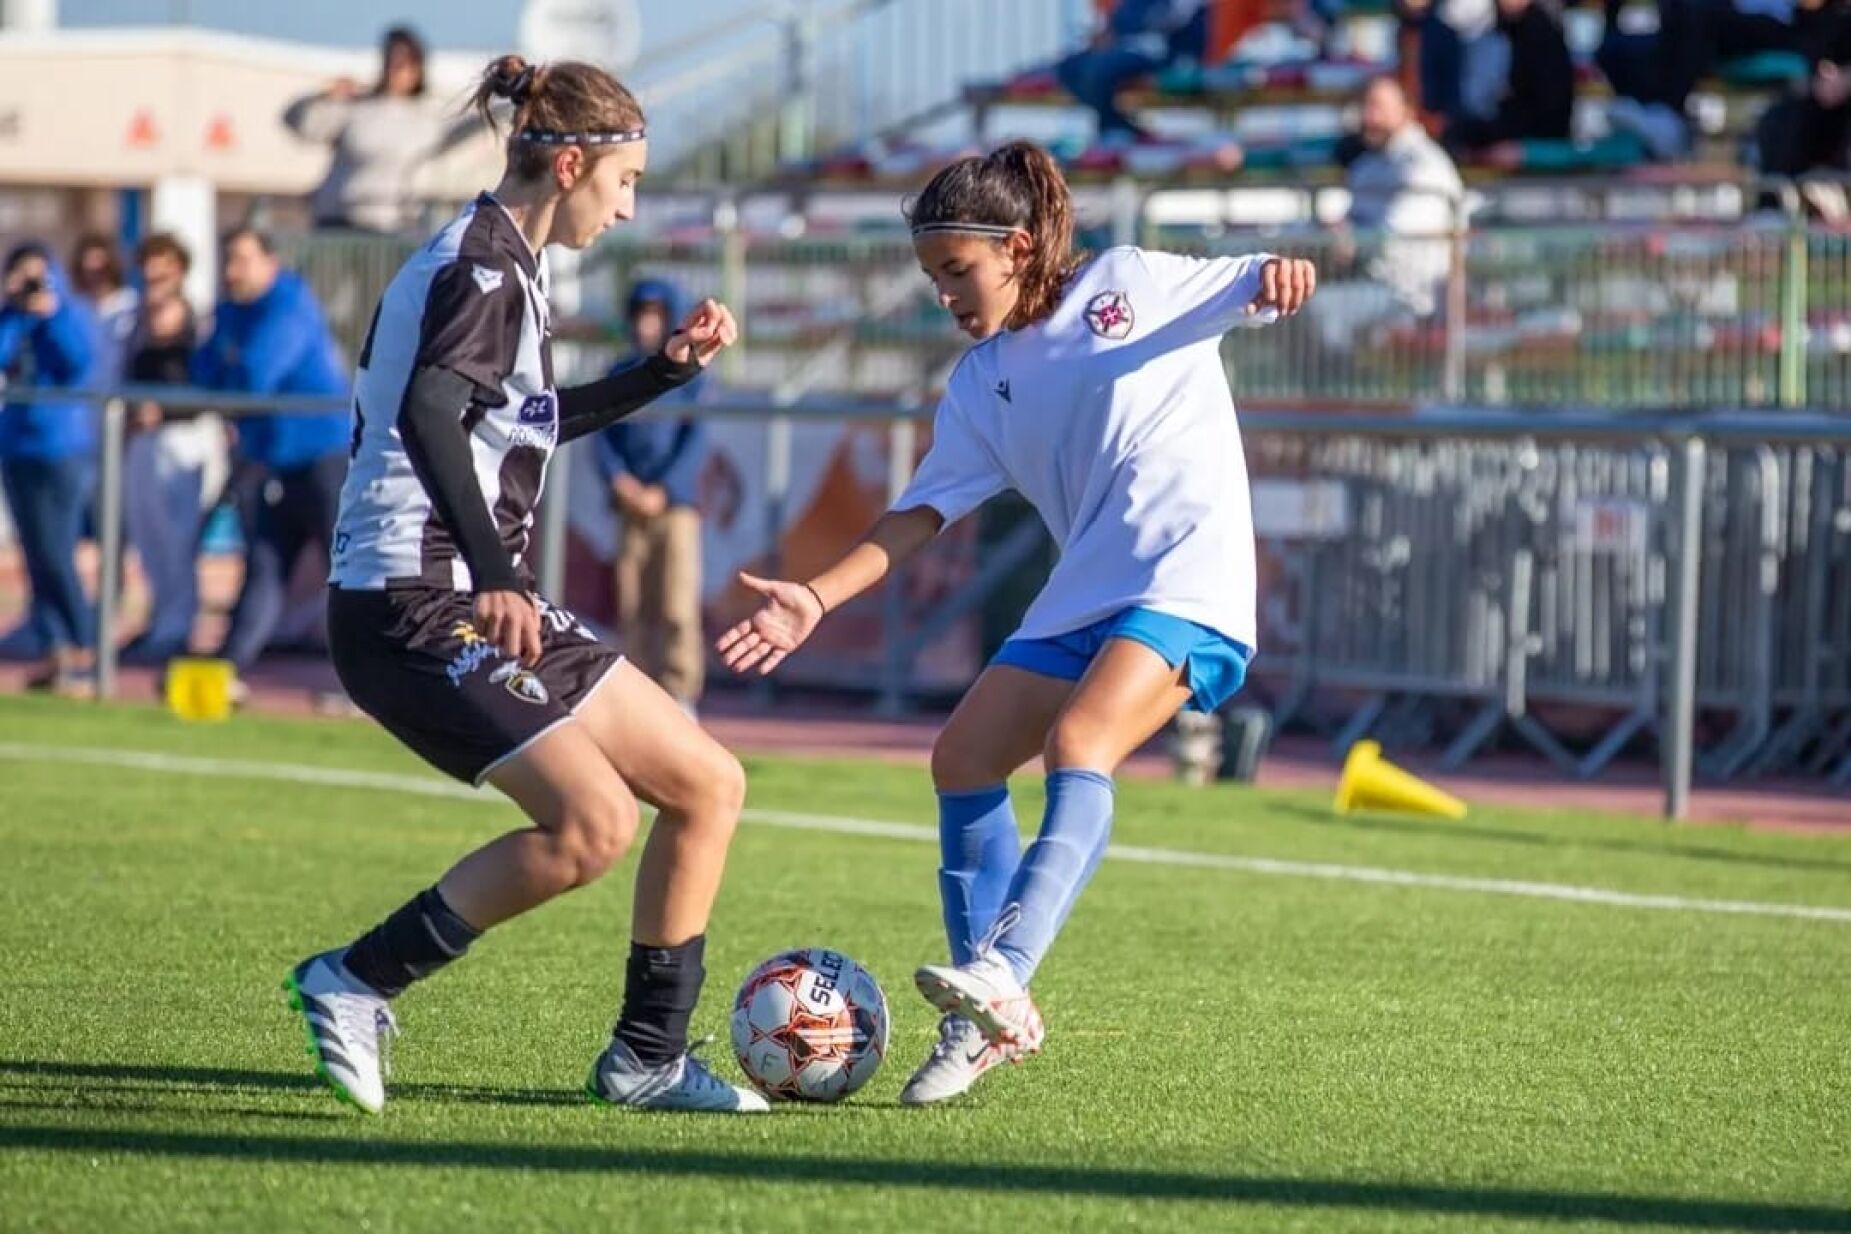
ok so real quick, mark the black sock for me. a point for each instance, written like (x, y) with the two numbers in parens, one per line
(662, 985)
(411, 944)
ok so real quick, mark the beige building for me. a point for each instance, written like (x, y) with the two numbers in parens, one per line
(191, 118)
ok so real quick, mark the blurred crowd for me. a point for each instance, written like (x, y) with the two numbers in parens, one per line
(95, 325)
(1484, 76)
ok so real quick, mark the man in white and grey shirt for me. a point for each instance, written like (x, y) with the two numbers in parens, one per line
(1405, 199)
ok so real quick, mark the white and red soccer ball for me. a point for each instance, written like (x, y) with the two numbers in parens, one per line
(809, 1025)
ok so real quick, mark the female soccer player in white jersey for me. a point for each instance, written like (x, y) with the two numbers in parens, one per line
(1095, 390)
(437, 631)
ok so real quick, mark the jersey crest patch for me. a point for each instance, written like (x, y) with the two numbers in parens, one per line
(1109, 315)
(538, 409)
(487, 278)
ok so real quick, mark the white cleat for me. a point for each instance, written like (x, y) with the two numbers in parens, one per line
(986, 993)
(348, 1026)
(684, 1083)
(960, 1059)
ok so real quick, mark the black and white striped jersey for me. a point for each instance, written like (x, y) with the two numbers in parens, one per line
(456, 415)
(472, 301)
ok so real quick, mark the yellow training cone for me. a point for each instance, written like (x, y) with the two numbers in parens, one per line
(199, 689)
(1371, 782)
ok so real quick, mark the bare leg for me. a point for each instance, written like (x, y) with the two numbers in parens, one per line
(695, 783)
(583, 821)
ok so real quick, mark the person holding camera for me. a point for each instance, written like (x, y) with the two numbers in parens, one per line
(47, 460)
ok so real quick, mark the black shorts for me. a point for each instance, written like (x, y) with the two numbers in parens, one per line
(411, 658)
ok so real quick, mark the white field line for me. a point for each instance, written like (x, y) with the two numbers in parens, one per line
(424, 786)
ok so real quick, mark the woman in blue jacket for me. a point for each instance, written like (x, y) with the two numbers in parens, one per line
(48, 457)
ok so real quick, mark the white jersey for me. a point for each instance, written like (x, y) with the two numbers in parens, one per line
(473, 301)
(1113, 419)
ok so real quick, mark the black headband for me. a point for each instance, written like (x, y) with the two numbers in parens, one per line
(553, 137)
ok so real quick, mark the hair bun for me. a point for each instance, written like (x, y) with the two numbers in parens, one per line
(513, 80)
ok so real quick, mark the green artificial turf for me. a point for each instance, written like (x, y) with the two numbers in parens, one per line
(1229, 1048)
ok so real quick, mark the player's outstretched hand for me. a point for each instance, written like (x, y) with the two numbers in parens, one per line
(789, 615)
(510, 621)
(702, 333)
(1285, 284)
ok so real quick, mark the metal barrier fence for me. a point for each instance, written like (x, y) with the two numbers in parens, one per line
(1582, 579)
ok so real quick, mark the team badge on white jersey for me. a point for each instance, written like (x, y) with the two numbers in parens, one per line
(1109, 314)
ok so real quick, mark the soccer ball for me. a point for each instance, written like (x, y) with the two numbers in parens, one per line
(810, 1025)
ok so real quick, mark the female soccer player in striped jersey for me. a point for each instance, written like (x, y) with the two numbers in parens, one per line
(437, 631)
(1095, 390)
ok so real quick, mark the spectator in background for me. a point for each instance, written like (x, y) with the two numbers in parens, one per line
(1140, 37)
(1405, 200)
(270, 337)
(1811, 130)
(379, 138)
(1537, 98)
(48, 337)
(1463, 61)
(96, 275)
(1655, 73)
(652, 464)
(172, 458)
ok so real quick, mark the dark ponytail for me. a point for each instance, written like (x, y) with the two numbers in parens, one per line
(1018, 186)
(564, 97)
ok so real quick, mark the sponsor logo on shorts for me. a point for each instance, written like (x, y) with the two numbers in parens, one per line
(521, 683)
(468, 660)
(476, 652)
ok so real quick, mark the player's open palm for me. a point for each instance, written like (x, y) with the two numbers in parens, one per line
(787, 617)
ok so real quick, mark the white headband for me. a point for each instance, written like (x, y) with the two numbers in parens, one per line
(553, 137)
(977, 229)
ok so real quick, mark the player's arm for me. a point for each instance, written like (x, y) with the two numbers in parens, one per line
(1213, 295)
(431, 426)
(958, 474)
(792, 611)
(598, 404)
(466, 343)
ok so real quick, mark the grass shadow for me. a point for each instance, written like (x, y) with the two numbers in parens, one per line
(129, 1077)
(1299, 1193)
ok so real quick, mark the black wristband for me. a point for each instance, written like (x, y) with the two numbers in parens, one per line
(817, 596)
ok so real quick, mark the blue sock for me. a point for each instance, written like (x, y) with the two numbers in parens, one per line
(1073, 838)
(979, 847)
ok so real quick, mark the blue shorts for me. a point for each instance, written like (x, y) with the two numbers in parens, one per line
(1216, 664)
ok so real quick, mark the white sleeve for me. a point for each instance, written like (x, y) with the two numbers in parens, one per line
(1210, 293)
(959, 473)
